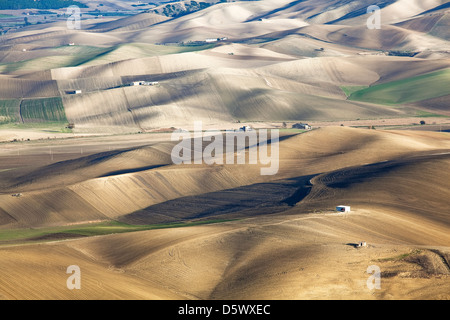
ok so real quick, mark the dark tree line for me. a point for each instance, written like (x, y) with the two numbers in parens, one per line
(42, 4)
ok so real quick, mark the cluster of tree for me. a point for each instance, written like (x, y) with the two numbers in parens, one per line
(178, 9)
(403, 53)
(39, 4)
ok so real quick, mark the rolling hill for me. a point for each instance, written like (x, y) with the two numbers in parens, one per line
(395, 181)
(264, 73)
(87, 176)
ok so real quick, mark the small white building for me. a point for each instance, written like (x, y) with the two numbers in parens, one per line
(362, 244)
(211, 40)
(245, 128)
(343, 208)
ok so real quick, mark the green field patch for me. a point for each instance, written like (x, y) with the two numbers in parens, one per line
(9, 111)
(349, 90)
(64, 56)
(43, 110)
(88, 230)
(49, 127)
(419, 88)
(400, 257)
(426, 114)
(39, 64)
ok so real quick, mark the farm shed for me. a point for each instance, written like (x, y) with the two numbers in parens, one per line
(343, 208)
(73, 91)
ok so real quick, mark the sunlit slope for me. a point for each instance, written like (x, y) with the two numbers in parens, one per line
(32, 58)
(9, 111)
(300, 45)
(345, 12)
(438, 105)
(230, 20)
(279, 92)
(113, 184)
(279, 61)
(46, 267)
(57, 35)
(412, 185)
(273, 237)
(108, 185)
(302, 89)
(139, 50)
(250, 19)
(124, 65)
(387, 38)
(139, 21)
(212, 98)
(275, 257)
(333, 148)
